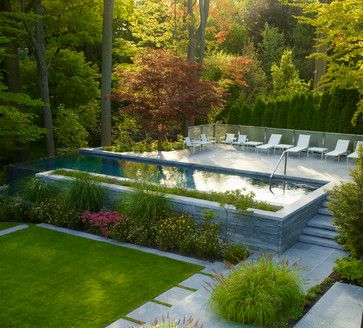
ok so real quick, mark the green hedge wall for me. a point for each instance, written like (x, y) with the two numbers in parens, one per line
(329, 112)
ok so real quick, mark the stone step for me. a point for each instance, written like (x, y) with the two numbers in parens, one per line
(324, 211)
(324, 233)
(322, 222)
(319, 241)
(324, 204)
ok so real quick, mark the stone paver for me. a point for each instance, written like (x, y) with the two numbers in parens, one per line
(122, 323)
(148, 312)
(198, 281)
(340, 307)
(174, 295)
(13, 229)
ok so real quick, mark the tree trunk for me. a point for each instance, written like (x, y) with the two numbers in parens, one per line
(106, 72)
(43, 77)
(11, 60)
(204, 12)
(192, 45)
(320, 66)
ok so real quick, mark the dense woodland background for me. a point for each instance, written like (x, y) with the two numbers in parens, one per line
(233, 61)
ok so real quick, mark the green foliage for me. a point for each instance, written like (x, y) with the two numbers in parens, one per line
(258, 111)
(350, 270)
(146, 208)
(338, 26)
(173, 230)
(36, 191)
(346, 203)
(263, 293)
(271, 47)
(68, 129)
(85, 195)
(13, 207)
(285, 77)
(123, 131)
(56, 211)
(122, 231)
(204, 242)
(316, 291)
(235, 253)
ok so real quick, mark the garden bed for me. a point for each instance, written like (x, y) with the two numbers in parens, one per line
(59, 280)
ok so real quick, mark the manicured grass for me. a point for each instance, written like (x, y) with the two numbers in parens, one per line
(7, 225)
(51, 279)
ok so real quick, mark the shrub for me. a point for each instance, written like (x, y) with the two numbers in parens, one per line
(172, 231)
(235, 253)
(85, 195)
(170, 323)
(36, 191)
(350, 269)
(100, 221)
(146, 208)
(347, 206)
(13, 208)
(204, 241)
(56, 211)
(123, 230)
(261, 293)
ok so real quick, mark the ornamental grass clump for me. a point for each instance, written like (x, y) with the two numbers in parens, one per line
(85, 195)
(263, 293)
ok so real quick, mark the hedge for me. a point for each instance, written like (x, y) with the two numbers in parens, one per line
(327, 112)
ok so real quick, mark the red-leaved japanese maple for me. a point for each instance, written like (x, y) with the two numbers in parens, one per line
(164, 91)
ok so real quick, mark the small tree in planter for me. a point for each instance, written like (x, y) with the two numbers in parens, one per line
(164, 90)
(347, 206)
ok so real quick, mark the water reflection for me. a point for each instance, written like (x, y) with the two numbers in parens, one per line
(283, 193)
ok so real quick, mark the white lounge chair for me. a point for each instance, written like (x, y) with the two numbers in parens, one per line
(341, 148)
(241, 140)
(206, 140)
(355, 155)
(192, 144)
(302, 144)
(272, 143)
(228, 139)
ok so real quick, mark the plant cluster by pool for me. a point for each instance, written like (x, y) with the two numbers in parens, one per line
(182, 176)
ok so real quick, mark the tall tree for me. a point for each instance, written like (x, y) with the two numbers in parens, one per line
(37, 38)
(196, 45)
(108, 6)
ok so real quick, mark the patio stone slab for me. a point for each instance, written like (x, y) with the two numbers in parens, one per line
(340, 307)
(13, 229)
(122, 323)
(148, 312)
(174, 295)
(198, 281)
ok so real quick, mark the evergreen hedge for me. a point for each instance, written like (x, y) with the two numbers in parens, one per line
(328, 112)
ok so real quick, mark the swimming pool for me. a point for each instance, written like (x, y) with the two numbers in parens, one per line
(283, 193)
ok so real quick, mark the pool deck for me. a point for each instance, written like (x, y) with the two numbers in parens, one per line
(234, 157)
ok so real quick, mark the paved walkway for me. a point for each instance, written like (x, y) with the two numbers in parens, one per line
(233, 157)
(13, 229)
(340, 307)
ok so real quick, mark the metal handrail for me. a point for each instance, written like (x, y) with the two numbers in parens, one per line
(284, 154)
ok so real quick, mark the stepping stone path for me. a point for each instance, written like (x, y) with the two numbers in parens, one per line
(13, 229)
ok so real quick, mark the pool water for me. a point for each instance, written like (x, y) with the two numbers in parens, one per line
(173, 176)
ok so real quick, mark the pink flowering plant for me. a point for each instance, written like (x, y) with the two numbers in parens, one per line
(101, 221)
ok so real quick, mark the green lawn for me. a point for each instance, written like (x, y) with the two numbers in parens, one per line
(51, 279)
(7, 225)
